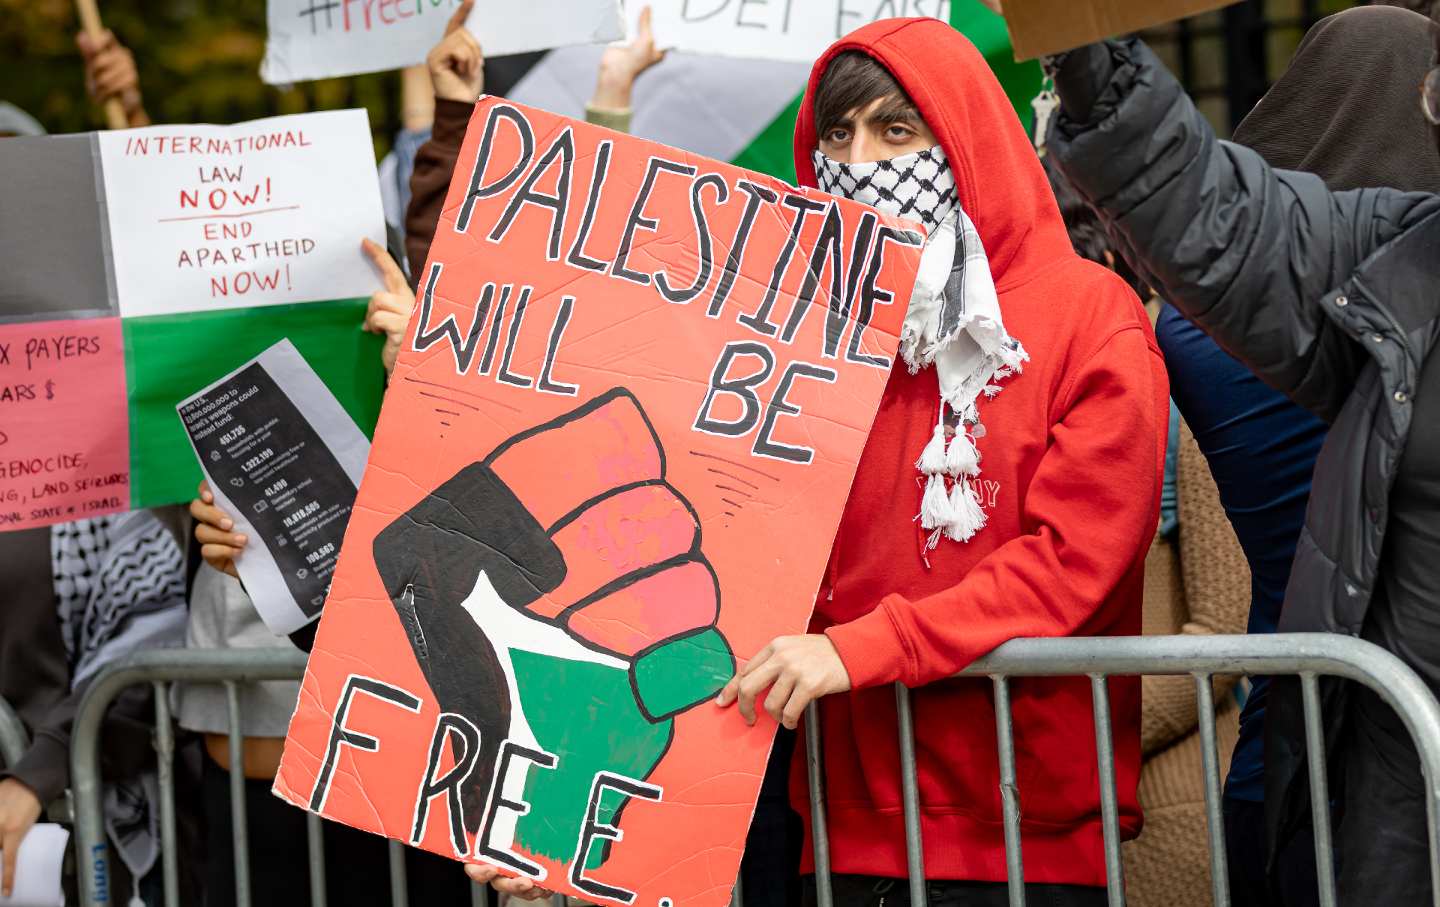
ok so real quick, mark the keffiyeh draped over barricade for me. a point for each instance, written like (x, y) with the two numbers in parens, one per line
(120, 588)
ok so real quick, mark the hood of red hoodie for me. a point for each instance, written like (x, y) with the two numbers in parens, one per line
(997, 174)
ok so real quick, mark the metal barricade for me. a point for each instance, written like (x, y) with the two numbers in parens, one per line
(13, 738)
(1309, 656)
(231, 668)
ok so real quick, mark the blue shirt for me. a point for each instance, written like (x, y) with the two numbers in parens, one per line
(1261, 449)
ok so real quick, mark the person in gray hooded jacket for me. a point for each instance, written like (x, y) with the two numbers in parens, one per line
(1334, 299)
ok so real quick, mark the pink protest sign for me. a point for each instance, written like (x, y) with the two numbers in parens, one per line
(64, 427)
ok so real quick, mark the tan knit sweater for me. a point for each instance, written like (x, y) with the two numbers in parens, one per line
(1198, 585)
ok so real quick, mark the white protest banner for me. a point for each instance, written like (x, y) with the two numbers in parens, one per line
(283, 459)
(793, 30)
(320, 39)
(264, 213)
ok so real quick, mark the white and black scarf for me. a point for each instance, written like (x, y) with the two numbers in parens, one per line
(120, 588)
(953, 323)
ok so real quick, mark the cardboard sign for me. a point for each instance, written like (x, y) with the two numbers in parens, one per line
(189, 250)
(612, 460)
(64, 454)
(792, 30)
(1039, 27)
(264, 213)
(283, 458)
(320, 39)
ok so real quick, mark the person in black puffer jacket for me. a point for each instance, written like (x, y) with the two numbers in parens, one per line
(1334, 299)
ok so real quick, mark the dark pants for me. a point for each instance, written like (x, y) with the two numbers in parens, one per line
(1382, 841)
(871, 891)
(1291, 884)
(357, 864)
(770, 869)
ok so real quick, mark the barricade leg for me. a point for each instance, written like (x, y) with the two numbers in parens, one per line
(815, 771)
(165, 770)
(238, 825)
(910, 796)
(399, 893)
(1319, 790)
(13, 737)
(1009, 792)
(315, 850)
(1214, 821)
(1109, 806)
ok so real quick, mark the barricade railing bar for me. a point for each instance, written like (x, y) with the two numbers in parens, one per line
(1308, 656)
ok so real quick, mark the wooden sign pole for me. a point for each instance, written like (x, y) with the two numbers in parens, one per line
(90, 21)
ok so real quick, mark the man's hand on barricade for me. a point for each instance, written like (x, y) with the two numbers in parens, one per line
(110, 73)
(219, 543)
(796, 670)
(456, 64)
(390, 308)
(19, 811)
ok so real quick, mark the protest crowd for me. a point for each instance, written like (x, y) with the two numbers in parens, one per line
(1147, 382)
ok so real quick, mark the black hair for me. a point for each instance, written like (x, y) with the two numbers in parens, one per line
(1087, 234)
(855, 80)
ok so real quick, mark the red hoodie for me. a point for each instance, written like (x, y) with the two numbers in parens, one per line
(1072, 463)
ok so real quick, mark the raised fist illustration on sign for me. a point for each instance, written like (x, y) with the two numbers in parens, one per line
(556, 597)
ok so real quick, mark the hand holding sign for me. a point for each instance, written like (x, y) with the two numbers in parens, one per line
(110, 73)
(456, 64)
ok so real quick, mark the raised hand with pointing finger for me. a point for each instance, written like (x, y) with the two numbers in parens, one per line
(390, 308)
(622, 64)
(456, 64)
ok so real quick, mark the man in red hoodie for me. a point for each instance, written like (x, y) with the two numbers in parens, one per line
(1009, 487)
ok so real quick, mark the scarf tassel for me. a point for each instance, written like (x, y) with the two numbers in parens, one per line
(933, 458)
(967, 516)
(961, 457)
(935, 509)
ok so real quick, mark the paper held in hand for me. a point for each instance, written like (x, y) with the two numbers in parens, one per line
(283, 459)
(321, 39)
(1039, 27)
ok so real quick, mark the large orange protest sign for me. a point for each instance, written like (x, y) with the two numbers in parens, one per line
(608, 470)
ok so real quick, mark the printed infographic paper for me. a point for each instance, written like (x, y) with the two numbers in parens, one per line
(609, 468)
(189, 250)
(283, 458)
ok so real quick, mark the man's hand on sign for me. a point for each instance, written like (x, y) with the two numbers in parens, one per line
(524, 889)
(110, 73)
(19, 810)
(796, 670)
(390, 308)
(219, 544)
(457, 67)
(622, 64)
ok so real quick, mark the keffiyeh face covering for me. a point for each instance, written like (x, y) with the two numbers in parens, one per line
(953, 323)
